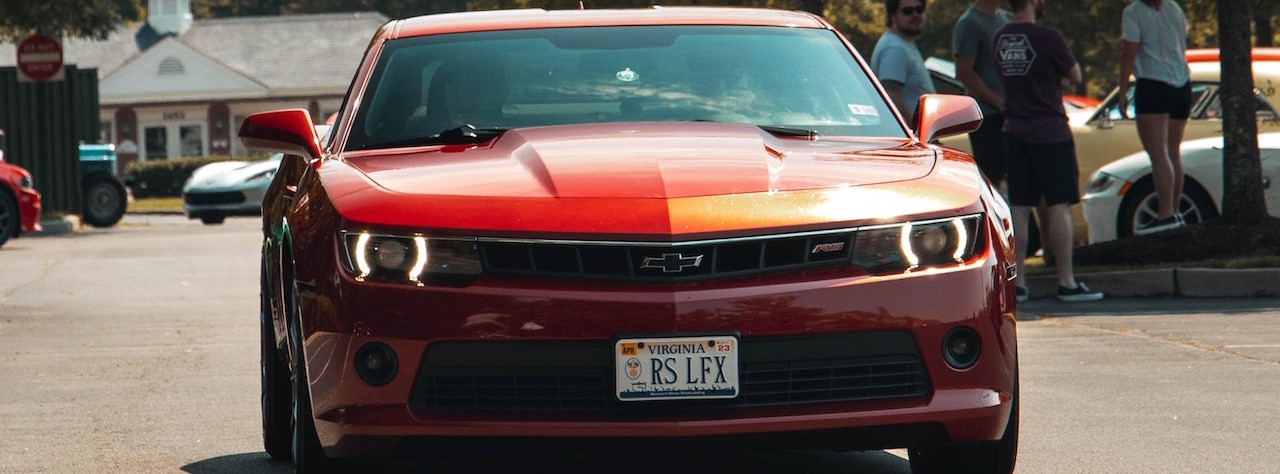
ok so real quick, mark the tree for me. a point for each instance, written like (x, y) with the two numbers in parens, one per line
(94, 19)
(1242, 200)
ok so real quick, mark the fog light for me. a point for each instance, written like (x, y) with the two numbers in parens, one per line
(376, 363)
(961, 348)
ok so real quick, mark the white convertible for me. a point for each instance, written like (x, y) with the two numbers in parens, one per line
(1120, 197)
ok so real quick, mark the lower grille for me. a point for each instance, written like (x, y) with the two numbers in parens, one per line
(579, 376)
(228, 197)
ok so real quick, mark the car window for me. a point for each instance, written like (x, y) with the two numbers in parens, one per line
(1265, 111)
(766, 76)
(1199, 90)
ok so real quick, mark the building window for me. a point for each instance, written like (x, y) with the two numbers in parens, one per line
(157, 143)
(106, 132)
(171, 67)
(192, 140)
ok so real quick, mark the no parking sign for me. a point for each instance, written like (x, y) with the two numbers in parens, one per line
(39, 59)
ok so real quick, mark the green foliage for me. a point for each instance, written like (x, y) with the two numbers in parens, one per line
(70, 18)
(164, 178)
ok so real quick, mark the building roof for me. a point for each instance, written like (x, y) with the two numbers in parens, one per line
(318, 52)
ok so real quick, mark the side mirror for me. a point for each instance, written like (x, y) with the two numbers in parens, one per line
(287, 131)
(944, 115)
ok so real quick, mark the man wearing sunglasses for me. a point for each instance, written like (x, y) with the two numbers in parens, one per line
(896, 60)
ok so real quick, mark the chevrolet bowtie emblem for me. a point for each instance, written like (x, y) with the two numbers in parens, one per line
(672, 262)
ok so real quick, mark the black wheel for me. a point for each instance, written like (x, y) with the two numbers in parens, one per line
(212, 219)
(276, 392)
(996, 457)
(10, 217)
(1140, 206)
(308, 456)
(104, 201)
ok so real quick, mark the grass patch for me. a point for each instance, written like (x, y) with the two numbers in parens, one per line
(163, 204)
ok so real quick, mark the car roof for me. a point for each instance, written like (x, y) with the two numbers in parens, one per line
(1205, 66)
(539, 18)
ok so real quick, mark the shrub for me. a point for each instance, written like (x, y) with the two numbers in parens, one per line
(164, 178)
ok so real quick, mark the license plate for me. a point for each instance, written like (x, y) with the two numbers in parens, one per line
(676, 368)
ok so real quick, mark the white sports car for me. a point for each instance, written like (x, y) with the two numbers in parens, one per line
(228, 188)
(1120, 197)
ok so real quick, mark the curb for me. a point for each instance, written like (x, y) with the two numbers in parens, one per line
(1185, 282)
(59, 226)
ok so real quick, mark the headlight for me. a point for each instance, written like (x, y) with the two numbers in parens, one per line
(25, 182)
(262, 175)
(917, 245)
(413, 259)
(1100, 182)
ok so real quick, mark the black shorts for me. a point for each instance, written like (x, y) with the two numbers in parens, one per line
(987, 143)
(1155, 97)
(1038, 171)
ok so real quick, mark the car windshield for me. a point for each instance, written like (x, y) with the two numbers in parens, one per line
(472, 86)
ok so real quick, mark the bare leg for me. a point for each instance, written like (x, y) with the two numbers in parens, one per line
(1046, 237)
(1153, 130)
(1176, 129)
(1021, 216)
(1059, 217)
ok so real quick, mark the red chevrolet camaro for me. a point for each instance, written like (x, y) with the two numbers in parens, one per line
(683, 225)
(19, 201)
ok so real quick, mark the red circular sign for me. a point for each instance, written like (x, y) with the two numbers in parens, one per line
(39, 57)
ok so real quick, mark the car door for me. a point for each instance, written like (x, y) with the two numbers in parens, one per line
(1109, 134)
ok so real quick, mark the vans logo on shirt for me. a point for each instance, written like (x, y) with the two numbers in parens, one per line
(1015, 54)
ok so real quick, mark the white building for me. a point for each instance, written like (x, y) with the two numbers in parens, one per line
(175, 87)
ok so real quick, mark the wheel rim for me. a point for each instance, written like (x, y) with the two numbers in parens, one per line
(102, 199)
(1149, 209)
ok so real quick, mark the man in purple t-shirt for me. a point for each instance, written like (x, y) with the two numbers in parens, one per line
(1035, 63)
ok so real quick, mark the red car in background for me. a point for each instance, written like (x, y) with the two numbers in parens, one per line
(679, 224)
(19, 201)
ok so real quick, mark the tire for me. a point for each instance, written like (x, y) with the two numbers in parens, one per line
(10, 217)
(996, 457)
(212, 219)
(308, 456)
(104, 201)
(276, 390)
(1139, 206)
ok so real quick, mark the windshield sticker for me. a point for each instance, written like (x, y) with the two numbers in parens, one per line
(859, 109)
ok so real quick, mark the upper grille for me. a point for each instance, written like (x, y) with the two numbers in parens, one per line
(226, 197)
(579, 376)
(666, 261)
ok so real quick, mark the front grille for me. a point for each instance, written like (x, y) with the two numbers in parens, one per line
(666, 261)
(226, 197)
(579, 375)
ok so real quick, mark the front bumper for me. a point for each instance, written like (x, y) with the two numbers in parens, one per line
(1101, 212)
(223, 201)
(29, 208)
(357, 419)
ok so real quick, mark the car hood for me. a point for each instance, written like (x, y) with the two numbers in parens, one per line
(650, 181)
(643, 161)
(229, 173)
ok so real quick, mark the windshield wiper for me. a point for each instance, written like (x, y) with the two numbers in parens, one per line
(789, 131)
(467, 134)
(453, 136)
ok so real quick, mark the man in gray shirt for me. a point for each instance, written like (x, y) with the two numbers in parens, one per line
(976, 69)
(896, 60)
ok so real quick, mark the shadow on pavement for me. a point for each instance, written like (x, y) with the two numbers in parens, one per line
(737, 462)
(244, 462)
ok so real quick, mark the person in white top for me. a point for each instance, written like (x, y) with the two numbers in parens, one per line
(1153, 49)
